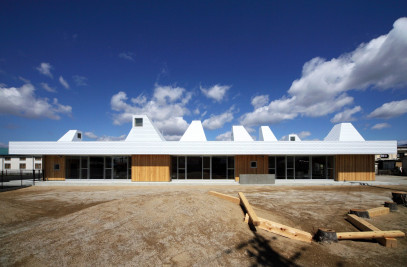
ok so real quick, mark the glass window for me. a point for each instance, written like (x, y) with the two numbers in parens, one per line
(318, 167)
(56, 167)
(138, 122)
(108, 162)
(219, 168)
(253, 164)
(120, 167)
(79, 136)
(231, 162)
(37, 166)
(181, 162)
(194, 168)
(72, 167)
(37, 158)
(22, 158)
(7, 158)
(7, 166)
(280, 161)
(174, 167)
(96, 167)
(302, 167)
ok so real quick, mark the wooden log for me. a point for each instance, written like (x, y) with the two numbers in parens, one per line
(360, 213)
(400, 197)
(391, 205)
(252, 215)
(235, 200)
(378, 211)
(326, 235)
(283, 230)
(369, 234)
(363, 225)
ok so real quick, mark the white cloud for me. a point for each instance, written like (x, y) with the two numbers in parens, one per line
(216, 92)
(166, 108)
(323, 86)
(23, 102)
(45, 68)
(48, 88)
(260, 101)
(380, 126)
(346, 115)
(111, 138)
(390, 110)
(80, 80)
(127, 56)
(217, 121)
(63, 82)
(302, 135)
(225, 136)
(90, 135)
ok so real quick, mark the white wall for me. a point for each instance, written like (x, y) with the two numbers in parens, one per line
(15, 162)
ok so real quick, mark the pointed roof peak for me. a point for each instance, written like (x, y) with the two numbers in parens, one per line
(265, 134)
(195, 132)
(344, 132)
(70, 136)
(239, 133)
(143, 130)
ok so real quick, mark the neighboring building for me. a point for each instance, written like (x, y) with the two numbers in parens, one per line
(145, 155)
(393, 163)
(19, 162)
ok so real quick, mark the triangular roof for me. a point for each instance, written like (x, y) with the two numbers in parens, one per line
(265, 134)
(239, 133)
(195, 132)
(144, 132)
(71, 135)
(344, 132)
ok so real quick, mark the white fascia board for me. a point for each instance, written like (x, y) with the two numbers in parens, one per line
(204, 148)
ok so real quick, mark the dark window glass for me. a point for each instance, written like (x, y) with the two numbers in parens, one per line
(108, 173)
(292, 138)
(318, 167)
(138, 122)
(272, 171)
(194, 168)
(231, 174)
(302, 167)
(206, 162)
(84, 173)
(84, 162)
(22, 158)
(330, 174)
(108, 162)
(37, 166)
(181, 162)
(219, 167)
(173, 167)
(79, 136)
(181, 174)
(7, 166)
(56, 167)
(72, 167)
(290, 174)
(272, 162)
(96, 167)
(231, 162)
(253, 164)
(290, 162)
(120, 167)
(206, 174)
(7, 158)
(330, 160)
(37, 158)
(280, 167)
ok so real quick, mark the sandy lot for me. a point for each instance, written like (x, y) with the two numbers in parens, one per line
(184, 226)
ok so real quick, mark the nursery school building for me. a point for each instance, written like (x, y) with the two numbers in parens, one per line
(145, 156)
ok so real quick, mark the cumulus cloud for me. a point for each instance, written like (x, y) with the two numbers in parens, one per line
(45, 68)
(260, 101)
(24, 103)
(48, 88)
(63, 82)
(216, 92)
(111, 138)
(390, 110)
(323, 86)
(80, 80)
(380, 126)
(166, 108)
(127, 56)
(225, 136)
(217, 121)
(346, 115)
(90, 135)
(302, 135)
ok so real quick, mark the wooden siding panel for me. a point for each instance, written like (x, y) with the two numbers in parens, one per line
(354, 168)
(150, 168)
(50, 173)
(242, 165)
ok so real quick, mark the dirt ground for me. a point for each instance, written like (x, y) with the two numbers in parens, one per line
(184, 226)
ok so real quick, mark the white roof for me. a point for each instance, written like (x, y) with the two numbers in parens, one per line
(146, 132)
(344, 132)
(147, 140)
(239, 133)
(265, 134)
(195, 132)
(71, 136)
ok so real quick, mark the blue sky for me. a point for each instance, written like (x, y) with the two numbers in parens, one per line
(296, 66)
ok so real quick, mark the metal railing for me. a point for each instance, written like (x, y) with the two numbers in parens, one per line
(24, 177)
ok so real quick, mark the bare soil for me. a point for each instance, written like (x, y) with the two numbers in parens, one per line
(184, 226)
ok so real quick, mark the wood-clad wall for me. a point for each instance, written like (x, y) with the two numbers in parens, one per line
(354, 168)
(150, 168)
(50, 173)
(242, 165)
